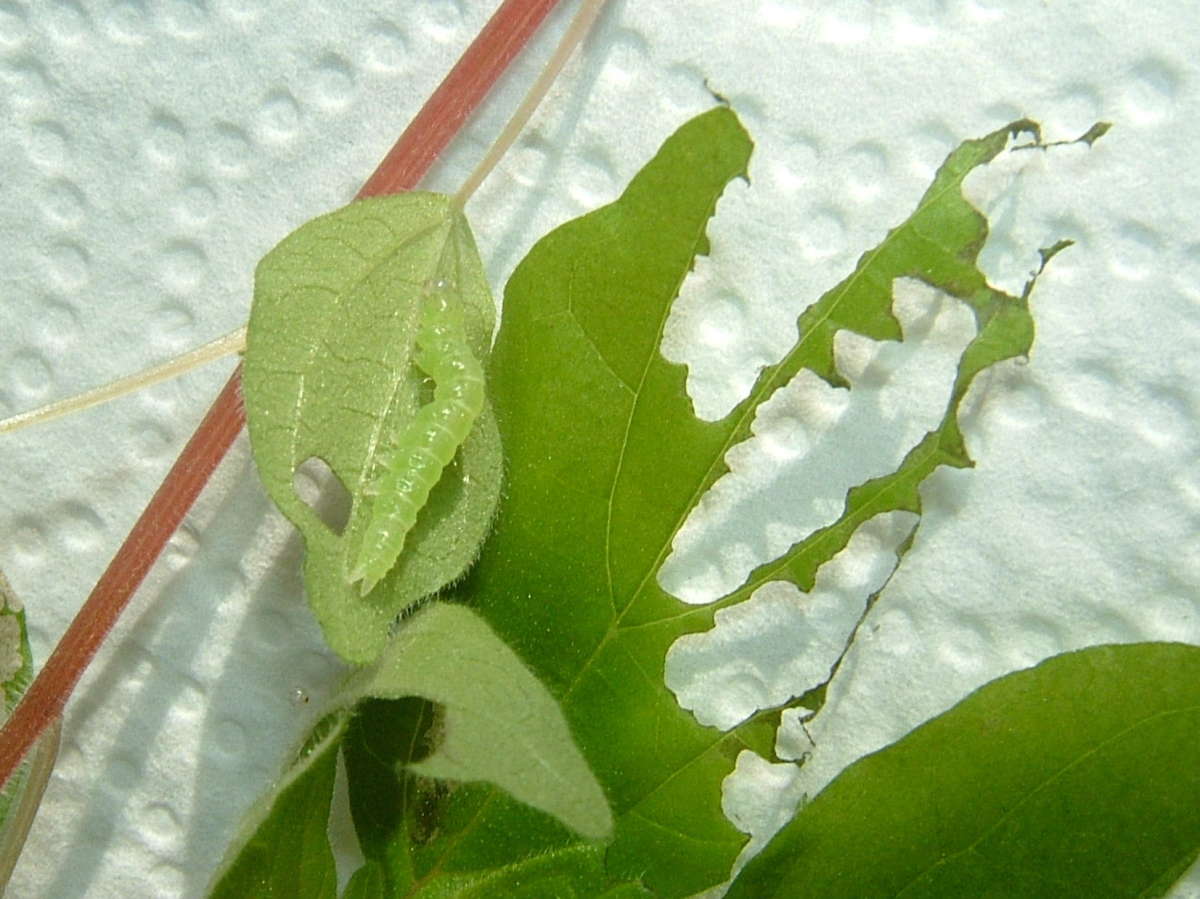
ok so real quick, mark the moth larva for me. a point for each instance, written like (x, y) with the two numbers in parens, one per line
(429, 442)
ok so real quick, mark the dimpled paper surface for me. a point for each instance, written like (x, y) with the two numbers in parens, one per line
(154, 150)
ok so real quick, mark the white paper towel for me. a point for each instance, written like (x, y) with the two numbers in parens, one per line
(153, 150)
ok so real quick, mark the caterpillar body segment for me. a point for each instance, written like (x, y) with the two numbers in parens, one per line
(429, 441)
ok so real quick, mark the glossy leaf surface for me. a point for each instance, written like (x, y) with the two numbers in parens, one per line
(1079, 777)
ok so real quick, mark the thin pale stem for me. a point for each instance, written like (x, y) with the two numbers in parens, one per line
(459, 95)
(231, 343)
(584, 19)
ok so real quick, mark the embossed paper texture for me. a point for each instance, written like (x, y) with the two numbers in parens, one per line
(152, 152)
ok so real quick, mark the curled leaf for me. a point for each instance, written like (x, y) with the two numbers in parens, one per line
(334, 373)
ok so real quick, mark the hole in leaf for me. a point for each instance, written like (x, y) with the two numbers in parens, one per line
(319, 487)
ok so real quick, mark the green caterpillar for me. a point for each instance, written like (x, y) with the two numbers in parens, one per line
(429, 441)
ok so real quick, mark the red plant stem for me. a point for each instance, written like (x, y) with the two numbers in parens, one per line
(44, 700)
(439, 120)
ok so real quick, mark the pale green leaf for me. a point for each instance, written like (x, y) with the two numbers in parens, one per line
(1079, 777)
(330, 375)
(498, 724)
(495, 725)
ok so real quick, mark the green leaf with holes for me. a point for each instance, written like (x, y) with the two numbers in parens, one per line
(604, 461)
